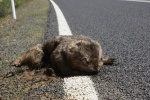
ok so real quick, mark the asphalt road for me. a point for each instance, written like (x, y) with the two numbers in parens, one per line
(123, 30)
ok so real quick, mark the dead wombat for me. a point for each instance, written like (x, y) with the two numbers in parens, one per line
(74, 55)
(67, 56)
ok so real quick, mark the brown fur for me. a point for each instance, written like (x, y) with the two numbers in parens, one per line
(31, 58)
(67, 55)
(74, 55)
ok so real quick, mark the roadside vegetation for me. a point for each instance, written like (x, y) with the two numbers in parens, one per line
(5, 6)
(16, 36)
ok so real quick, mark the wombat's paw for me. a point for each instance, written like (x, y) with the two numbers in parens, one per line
(16, 63)
(109, 61)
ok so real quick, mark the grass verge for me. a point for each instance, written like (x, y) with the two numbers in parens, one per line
(16, 36)
(5, 6)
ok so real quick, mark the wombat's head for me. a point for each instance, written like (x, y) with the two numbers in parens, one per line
(85, 55)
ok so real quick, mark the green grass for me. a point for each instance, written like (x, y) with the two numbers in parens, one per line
(19, 3)
(5, 6)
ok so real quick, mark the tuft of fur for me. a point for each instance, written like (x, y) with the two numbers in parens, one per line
(66, 56)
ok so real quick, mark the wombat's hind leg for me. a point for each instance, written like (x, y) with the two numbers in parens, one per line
(108, 61)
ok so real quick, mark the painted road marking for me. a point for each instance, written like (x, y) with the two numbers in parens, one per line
(146, 1)
(63, 26)
(79, 88)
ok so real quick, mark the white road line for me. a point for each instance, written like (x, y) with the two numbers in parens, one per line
(62, 23)
(78, 88)
(146, 1)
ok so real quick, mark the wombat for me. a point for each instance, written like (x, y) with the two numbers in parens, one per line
(67, 56)
(74, 55)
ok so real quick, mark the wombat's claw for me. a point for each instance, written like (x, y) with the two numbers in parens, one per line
(109, 61)
(112, 59)
(14, 64)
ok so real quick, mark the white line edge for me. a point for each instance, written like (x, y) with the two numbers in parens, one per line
(63, 26)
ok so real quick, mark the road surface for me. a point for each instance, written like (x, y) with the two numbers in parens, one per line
(123, 30)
